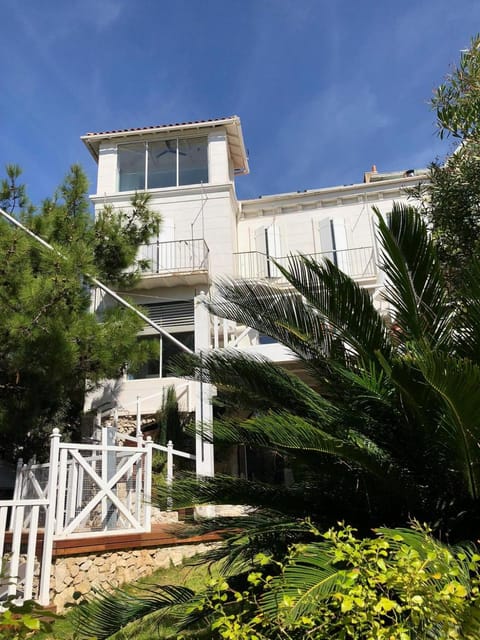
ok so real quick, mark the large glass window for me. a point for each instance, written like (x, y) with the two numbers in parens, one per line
(192, 161)
(162, 163)
(131, 167)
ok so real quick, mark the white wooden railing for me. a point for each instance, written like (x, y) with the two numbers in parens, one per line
(84, 490)
(23, 575)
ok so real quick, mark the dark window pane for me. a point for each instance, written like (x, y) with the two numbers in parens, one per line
(162, 164)
(170, 349)
(151, 368)
(131, 167)
(193, 161)
(264, 339)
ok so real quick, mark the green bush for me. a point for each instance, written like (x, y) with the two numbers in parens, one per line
(18, 622)
(400, 585)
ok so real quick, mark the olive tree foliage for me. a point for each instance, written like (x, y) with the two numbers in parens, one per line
(451, 198)
(50, 342)
(457, 100)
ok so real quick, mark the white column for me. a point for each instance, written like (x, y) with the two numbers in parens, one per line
(204, 392)
(139, 419)
(147, 486)
(109, 464)
(44, 587)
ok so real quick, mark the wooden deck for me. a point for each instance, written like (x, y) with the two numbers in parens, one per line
(161, 535)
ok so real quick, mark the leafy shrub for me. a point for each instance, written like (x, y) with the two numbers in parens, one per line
(400, 585)
(18, 622)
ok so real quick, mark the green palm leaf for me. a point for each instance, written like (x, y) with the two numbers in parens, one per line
(344, 306)
(467, 314)
(262, 383)
(293, 434)
(275, 311)
(457, 381)
(414, 285)
(109, 612)
(313, 575)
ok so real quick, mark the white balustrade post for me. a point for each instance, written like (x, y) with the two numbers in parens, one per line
(216, 338)
(169, 473)
(203, 406)
(61, 492)
(20, 477)
(15, 553)
(147, 486)
(46, 565)
(109, 512)
(139, 418)
(104, 455)
(98, 425)
(169, 462)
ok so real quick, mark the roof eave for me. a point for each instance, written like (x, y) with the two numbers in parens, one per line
(232, 124)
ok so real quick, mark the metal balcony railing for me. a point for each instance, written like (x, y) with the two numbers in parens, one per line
(176, 256)
(358, 263)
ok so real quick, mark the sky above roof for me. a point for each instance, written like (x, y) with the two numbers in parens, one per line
(323, 89)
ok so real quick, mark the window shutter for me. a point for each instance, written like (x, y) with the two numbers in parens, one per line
(268, 245)
(333, 242)
(172, 316)
(261, 253)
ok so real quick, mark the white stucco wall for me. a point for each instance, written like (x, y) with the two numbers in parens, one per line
(194, 212)
(298, 216)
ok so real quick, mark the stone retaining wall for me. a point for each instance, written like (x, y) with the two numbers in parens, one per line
(82, 573)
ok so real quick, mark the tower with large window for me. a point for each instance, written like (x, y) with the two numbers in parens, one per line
(189, 170)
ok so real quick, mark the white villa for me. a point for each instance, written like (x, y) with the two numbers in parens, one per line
(190, 170)
(85, 518)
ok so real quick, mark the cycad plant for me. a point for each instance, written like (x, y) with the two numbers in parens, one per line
(385, 424)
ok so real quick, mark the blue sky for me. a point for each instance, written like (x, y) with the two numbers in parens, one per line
(324, 89)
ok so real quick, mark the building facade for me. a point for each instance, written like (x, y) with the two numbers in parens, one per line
(190, 170)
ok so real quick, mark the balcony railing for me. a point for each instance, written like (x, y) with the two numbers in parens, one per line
(176, 256)
(358, 263)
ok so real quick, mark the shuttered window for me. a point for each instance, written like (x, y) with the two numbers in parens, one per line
(172, 316)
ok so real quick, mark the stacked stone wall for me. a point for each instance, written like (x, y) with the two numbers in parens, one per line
(83, 573)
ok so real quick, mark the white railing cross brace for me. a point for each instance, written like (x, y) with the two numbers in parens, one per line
(105, 491)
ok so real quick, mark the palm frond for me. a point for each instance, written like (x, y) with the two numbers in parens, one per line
(313, 575)
(290, 433)
(263, 531)
(344, 306)
(467, 314)
(369, 381)
(275, 311)
(456, 381)
(262, 382)
(412, 396)
(296, 501)
(108, 612)
(414, 285)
